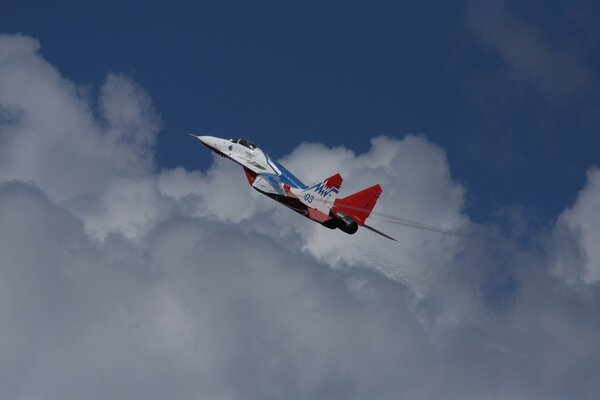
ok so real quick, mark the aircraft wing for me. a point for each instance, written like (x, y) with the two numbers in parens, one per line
(268, 183)
(256, 162)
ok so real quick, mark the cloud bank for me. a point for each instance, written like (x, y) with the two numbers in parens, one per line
(121, 280)
(578, 229)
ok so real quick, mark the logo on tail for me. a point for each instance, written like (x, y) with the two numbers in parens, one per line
(321, 195)
(327, 186)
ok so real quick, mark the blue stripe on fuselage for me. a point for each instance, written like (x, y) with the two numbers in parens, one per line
(287, 177)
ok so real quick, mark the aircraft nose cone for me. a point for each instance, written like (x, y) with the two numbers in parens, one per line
(211, 141)
(214, 143)
(207, 140)
(204, 139)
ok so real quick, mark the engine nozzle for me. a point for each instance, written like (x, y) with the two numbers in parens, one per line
(345, 223)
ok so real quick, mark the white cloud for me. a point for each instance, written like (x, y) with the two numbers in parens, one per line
(416, 184)
(101, 168)
(118, 281)
(53, 139)
(577, 258)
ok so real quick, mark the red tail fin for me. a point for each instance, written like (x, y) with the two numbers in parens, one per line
(360, 204)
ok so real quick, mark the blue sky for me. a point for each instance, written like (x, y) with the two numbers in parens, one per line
(136, 264)
(286, 72)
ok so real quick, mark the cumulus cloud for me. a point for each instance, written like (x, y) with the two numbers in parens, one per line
(118, 280)
(578, 234)
(417, 185)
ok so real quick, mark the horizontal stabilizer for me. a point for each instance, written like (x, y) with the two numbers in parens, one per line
(378, 232)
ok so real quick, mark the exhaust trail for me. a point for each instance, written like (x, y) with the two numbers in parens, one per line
(393, 219)
(418, 225)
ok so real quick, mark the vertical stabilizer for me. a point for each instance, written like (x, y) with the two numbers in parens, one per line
(360, 204)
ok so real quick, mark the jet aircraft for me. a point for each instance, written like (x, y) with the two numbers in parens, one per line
(318, 201)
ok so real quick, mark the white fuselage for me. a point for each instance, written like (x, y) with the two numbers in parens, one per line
(270, 177)
(252, 158)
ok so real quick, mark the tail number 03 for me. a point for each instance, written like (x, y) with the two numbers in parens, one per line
(309, 198)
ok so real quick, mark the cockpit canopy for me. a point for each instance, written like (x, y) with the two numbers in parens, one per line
(245, 143)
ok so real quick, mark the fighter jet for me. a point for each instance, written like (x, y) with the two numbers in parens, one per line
(318, 201)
